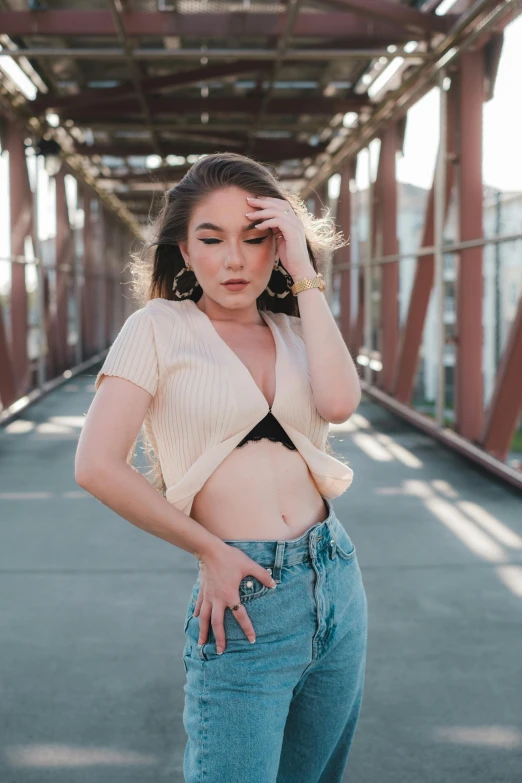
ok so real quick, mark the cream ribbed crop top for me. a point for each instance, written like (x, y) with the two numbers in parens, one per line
(205, 400)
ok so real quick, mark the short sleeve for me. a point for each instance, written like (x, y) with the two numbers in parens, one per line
(133, 353)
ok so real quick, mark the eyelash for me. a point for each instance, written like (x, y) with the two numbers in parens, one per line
(212, 241)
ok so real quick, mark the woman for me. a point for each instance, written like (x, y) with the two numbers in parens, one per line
(235, 385)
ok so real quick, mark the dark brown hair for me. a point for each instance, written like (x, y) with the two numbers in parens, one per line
(154, 266)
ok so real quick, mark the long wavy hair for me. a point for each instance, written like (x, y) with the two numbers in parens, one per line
(158, 260)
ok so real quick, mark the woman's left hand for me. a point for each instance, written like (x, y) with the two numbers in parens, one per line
(277, 214)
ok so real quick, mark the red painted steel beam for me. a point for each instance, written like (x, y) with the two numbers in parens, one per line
(22, 225)
(225, 105)
(358, 333)
(403, 15)
(469, 402)
(137, 24)
(48, 326)
(104, 258)
(185, 78)
(412, 332)
(64, 255)
(112, 266)
(88, 292)
(7, 379)
(387, 220)
(279, 151)
(504, 410)
(344, 254)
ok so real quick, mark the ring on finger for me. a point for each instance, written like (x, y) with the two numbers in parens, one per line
(235, 607)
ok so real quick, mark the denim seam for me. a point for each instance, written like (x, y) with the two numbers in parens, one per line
(203, 766)
(200, 732)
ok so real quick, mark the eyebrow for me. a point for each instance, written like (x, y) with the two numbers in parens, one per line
(213, 227)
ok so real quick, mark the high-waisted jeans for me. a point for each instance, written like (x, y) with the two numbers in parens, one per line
(284, 709)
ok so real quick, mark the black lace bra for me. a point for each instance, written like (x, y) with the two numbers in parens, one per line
(269, 428)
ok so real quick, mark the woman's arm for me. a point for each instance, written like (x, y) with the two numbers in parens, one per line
(335, 383)
(334, 378)
(111, 425)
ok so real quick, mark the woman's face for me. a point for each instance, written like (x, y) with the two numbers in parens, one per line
(223, 244)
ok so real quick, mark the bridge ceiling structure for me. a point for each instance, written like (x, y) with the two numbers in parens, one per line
(131, 78)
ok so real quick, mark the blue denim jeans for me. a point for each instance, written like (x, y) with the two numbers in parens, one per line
(284, 709)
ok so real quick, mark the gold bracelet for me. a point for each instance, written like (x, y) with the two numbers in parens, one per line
(308, 282)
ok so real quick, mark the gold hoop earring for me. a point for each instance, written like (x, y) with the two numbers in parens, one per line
(179, 292)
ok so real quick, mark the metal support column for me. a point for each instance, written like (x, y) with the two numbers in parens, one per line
(469, 398)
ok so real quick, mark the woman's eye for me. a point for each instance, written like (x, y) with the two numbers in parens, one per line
(213, 241)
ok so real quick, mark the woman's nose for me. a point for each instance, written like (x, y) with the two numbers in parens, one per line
(234, 254)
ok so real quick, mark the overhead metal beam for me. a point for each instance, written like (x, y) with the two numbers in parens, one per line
(184, 78)
(273, 149)
(233, 25)
(174, 127)
(397, 13)
(164, 174)
(291, 56)
(226, 105)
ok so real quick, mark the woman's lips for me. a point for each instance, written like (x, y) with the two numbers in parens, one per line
(235, 286)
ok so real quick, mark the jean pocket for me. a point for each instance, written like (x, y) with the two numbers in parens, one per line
(344, 544)
(251, 588)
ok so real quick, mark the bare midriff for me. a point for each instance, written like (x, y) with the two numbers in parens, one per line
(262, 491)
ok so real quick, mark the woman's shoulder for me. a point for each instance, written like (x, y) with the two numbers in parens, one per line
(161, 310)
(159, 304)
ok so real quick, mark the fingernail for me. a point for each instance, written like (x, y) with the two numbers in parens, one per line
(219, 650)
(251, 639)
(273, 583)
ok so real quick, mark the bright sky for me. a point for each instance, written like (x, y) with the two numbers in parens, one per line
(502, 158)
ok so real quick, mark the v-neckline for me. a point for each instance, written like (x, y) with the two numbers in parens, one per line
(271, 325)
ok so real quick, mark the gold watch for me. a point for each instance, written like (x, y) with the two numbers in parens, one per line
(307, 282)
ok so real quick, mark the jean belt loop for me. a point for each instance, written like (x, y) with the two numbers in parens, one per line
(278, 561)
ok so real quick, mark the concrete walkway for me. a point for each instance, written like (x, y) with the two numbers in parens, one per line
(91, 678)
